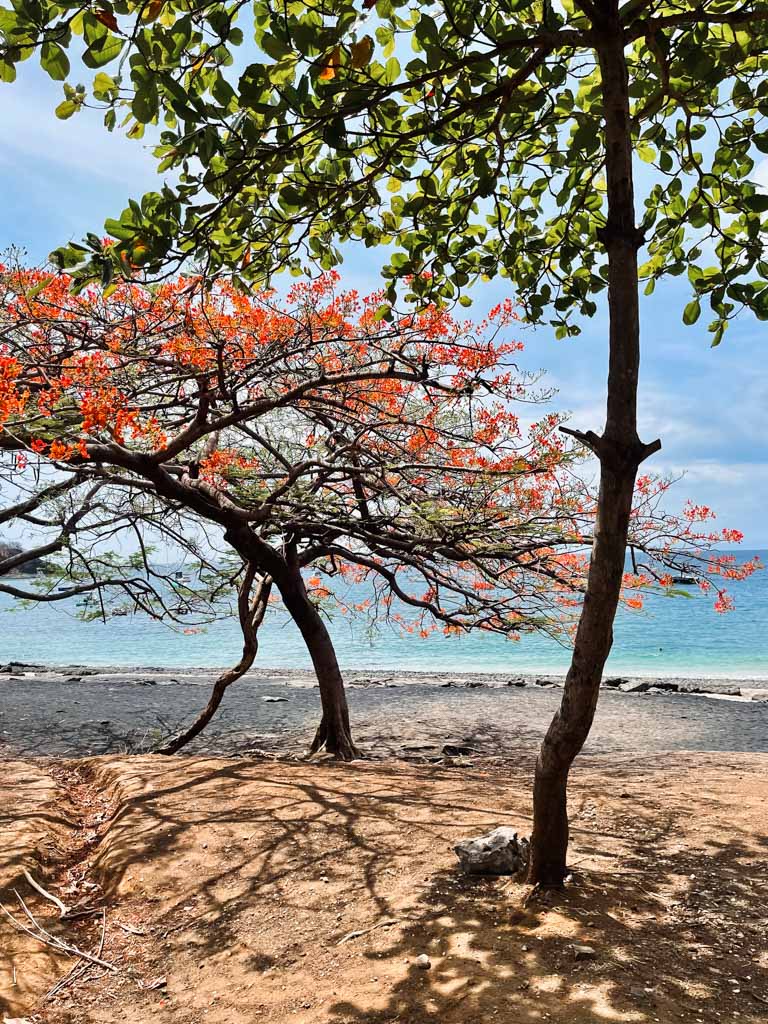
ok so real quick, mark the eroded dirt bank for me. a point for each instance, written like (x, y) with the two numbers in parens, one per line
(239, 890)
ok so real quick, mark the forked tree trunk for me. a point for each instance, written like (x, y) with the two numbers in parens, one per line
(251, 613)
(620, 453)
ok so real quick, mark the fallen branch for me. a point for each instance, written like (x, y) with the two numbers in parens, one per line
(43, 936)
(80, 969)
(63, 908)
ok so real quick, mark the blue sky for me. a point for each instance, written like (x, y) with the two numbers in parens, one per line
(61, 179)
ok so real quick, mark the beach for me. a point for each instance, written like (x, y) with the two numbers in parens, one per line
(77, 711)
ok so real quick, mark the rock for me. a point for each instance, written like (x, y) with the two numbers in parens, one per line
(15, 667)
(423, 962)
(754, 694)
(635, 686)
(614, 683)
(457, 749)
(721, 691)
(501, 852)
(666, 684)
(474, 684)
(275, 700)
(517, 682)
(584, 952)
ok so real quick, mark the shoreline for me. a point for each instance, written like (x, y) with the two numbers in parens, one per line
(301, 678)
(78, 712)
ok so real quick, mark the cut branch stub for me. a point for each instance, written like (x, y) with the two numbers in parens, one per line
(617, 455)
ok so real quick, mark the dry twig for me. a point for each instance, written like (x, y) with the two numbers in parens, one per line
(43, 936)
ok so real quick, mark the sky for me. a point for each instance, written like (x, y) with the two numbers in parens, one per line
(59, 179)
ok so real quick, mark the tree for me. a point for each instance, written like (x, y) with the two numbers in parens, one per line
(320, 438)
(211, 400)
(69, 522)
(504, 145)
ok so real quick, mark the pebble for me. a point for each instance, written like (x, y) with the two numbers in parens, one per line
(423, 962)
(584, 952)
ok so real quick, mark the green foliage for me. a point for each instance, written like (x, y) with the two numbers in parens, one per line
(465, 137)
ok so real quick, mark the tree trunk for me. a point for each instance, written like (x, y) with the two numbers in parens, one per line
(251, 614)
(620, 453)
(334, 733)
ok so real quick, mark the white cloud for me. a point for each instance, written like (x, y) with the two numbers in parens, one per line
(32, 133)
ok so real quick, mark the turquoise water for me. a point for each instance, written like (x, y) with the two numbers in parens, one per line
(670, 637)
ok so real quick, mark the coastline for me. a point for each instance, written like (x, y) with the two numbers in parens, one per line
(637, 682)
(79, 711)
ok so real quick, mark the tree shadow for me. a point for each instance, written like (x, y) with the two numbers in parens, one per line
(309, 891)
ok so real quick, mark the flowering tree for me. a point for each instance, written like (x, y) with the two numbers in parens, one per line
(321, 439)
(272, 421)
(505, 143)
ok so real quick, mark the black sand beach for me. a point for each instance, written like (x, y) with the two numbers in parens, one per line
(75, 711)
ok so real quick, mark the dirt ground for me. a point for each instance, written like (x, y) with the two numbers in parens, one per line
(265, 891)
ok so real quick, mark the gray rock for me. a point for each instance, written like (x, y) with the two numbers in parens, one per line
(423, 962)
(458, 749)
(754, 694)
(501, 852)
(456, 762)
(635, 686)
(584, 952)
(15, 667)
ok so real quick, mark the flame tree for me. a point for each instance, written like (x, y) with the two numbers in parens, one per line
(216, 401)
(317, 435)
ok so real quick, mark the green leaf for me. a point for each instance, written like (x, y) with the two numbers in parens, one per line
(103, 85)
(103, 51)
(54, 61)
(145, 105)
(692, 312)
(66, 109)
(757, 202)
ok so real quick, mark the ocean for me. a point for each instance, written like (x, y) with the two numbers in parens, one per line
(671, 636)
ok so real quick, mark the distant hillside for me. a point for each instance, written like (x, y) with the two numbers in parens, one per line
(8, 549)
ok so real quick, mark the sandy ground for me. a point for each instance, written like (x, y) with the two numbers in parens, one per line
(34, 829)
(238, 891)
